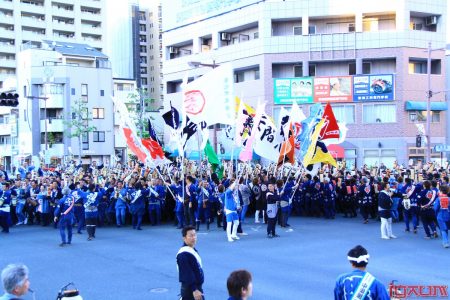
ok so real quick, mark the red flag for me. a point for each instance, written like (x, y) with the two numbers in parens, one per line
(287, 149)
(154, 148)
(330, 129)
(134, 144)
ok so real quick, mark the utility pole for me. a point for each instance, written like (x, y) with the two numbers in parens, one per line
(429, 95)
(45, 116)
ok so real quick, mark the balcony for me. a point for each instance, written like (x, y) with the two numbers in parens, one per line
(53, 125)
(5, 129)
(63, 12)
(63, 26)
(55, 150)
(7, 63)
(33, 22)
(7, 4)
(55, 101)
(32, 8)
(5, 33)
(32, 35)
(90, 29)
(6, 18)
(7, 48)
(5, 149)
(91, 3)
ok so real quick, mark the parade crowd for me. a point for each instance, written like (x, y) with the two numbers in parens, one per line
(79, 197)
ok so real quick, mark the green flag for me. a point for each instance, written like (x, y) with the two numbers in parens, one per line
(213, 159)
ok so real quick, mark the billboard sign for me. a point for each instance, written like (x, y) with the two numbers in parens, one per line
(373, 87)
(333, 89)
(289, 90)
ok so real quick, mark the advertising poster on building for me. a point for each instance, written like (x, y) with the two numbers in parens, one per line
(333, 89)
(288, 90)
(373, 87)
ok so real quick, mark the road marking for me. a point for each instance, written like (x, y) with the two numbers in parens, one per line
(256, 228)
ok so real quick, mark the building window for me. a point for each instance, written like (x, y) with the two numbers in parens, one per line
(379, 113)
(365, 68)
(143, 59)
(344, 113)
(98, 136)
(257, 74)
(239, 76)
(143, 49)
(143, 70)
(297, 30)
(102, 93)
(142, 38)
(85, 141)
(298, 70)
(72, 91)
(312, 29)
(351, 27)
(421, 116)
(256, 35)
(142, 27)
(84, 92)
(419, 66)
(144, 81)
(98, 113)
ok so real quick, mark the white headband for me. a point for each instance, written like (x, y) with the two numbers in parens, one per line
(361, 258)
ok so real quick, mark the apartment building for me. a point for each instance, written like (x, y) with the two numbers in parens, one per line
(150, 52)
(375, 51)
(59, 83)
(25, 23)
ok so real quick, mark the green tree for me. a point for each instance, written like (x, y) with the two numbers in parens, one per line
(140, 103)
(77, 123)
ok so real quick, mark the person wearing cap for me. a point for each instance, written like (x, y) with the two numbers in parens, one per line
(335, 87)
(359, 284)
(15, 282)
(64, 212)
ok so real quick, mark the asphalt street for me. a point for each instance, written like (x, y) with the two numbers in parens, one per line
(122, 263)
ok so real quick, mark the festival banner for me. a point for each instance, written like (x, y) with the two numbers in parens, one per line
(210, 98)
(290, 90)
(378, 87)
(333, 89)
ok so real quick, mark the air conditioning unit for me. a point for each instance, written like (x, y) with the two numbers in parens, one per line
(225, 36)
(173, 50)
(431, 20)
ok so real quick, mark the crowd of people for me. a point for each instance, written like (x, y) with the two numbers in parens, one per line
(84, 197)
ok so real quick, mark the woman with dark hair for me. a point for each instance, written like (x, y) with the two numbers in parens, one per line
(384, 211)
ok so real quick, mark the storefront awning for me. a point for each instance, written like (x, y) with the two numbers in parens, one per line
(336, 151)
(422, 106)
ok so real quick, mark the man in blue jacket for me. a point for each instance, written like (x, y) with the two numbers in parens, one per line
(190, 267)
(64, 212)
(359, 284)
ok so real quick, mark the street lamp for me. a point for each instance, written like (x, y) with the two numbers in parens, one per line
(430, 94)
(196, 64)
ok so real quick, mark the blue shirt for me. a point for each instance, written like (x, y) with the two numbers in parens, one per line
(347, 283)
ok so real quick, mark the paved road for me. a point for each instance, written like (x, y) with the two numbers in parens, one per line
(303, 264)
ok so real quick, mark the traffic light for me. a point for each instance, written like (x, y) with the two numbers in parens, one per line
(9, 99)
(418, 141)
